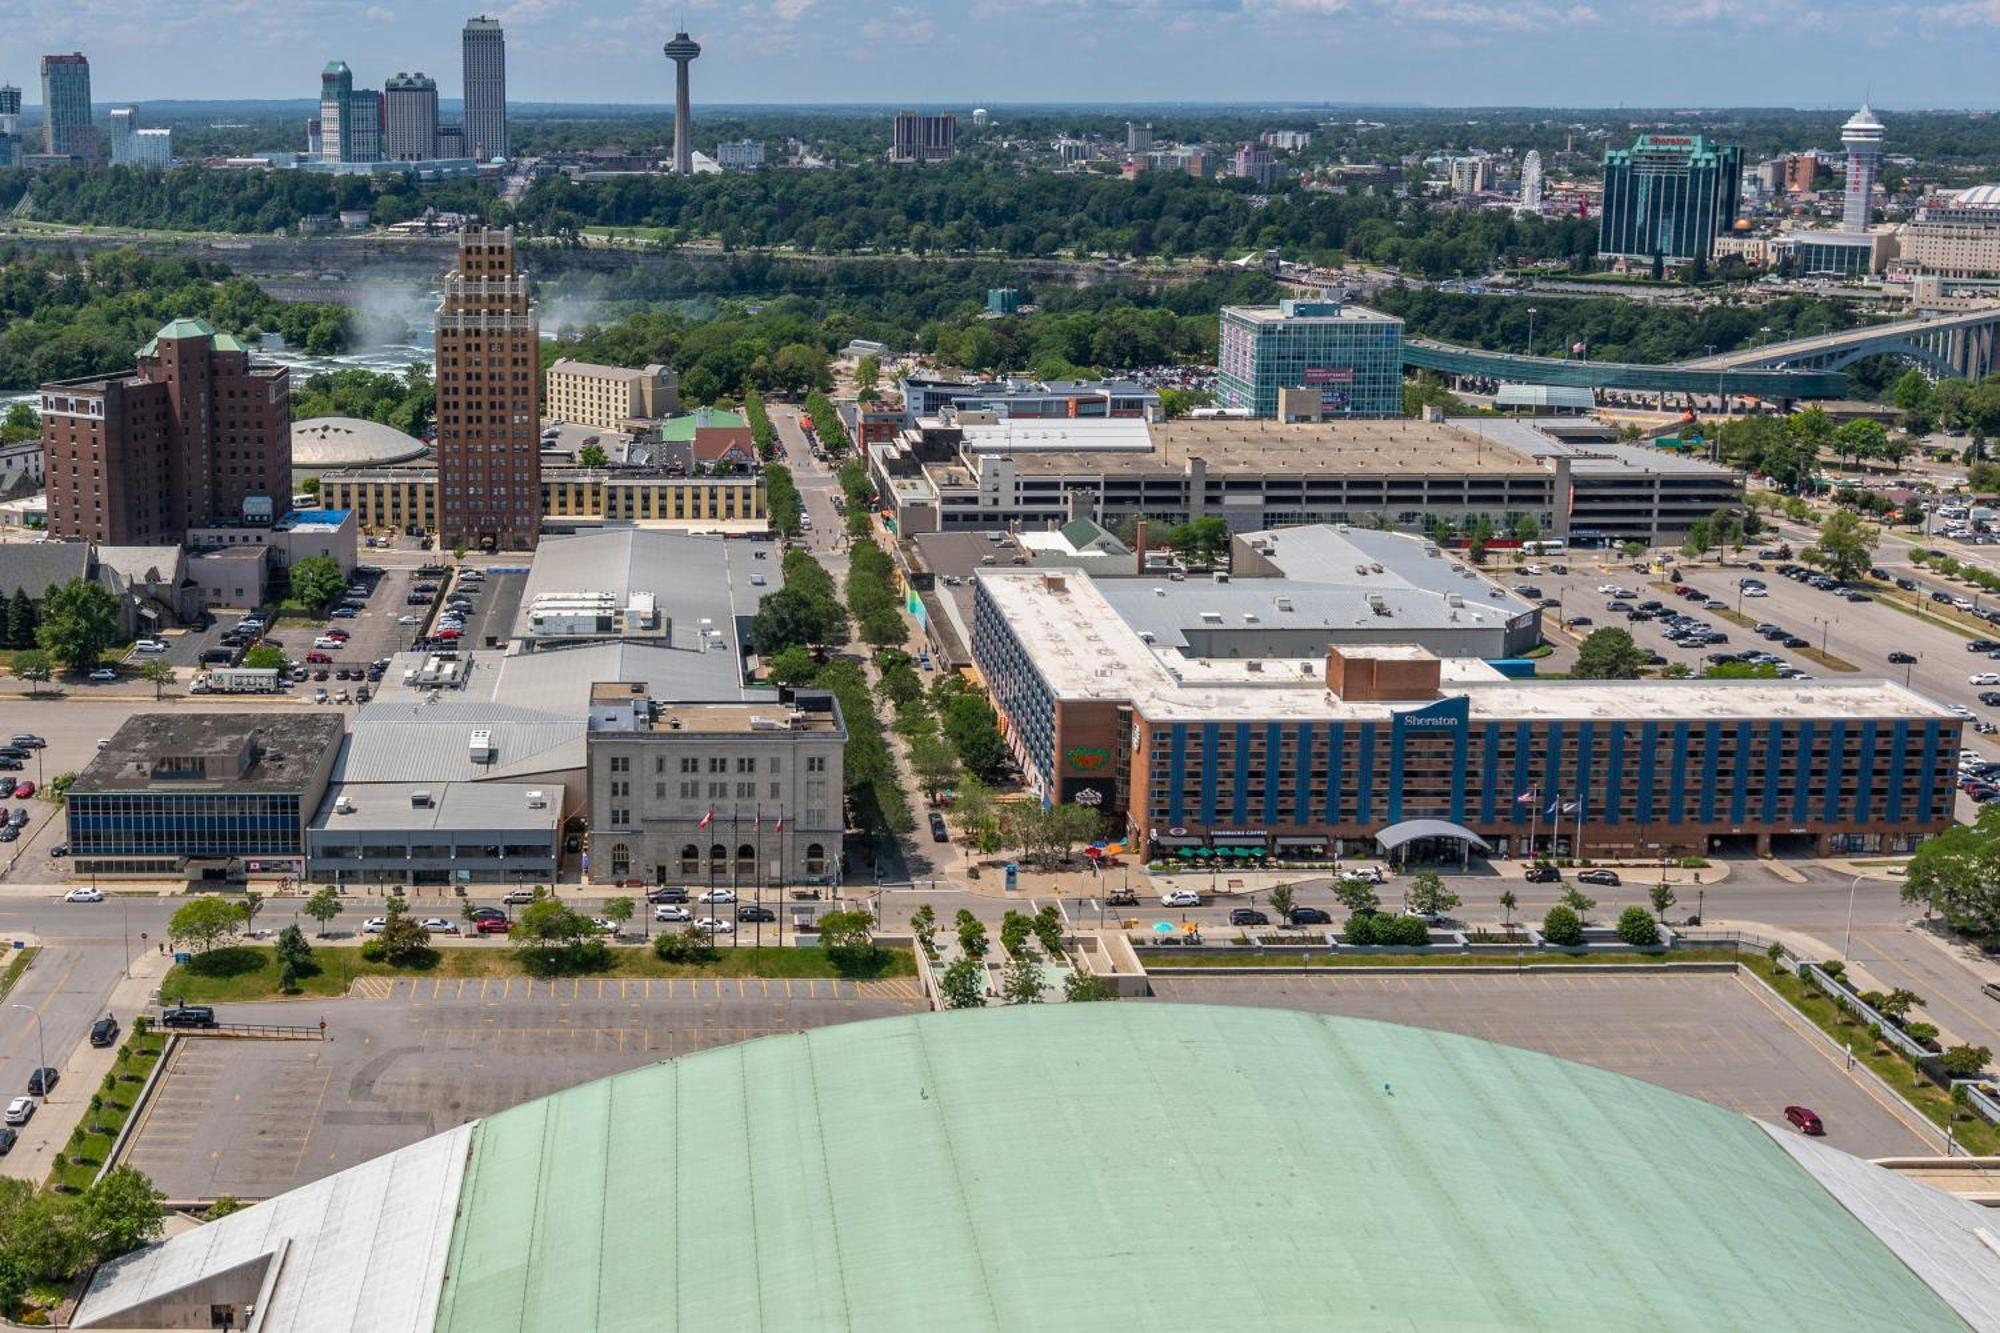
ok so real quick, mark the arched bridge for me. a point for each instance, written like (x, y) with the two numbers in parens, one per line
(1690, 378)
(1957, 346)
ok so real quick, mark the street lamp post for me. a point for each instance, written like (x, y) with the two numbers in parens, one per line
(1531, 330)
(41, 1047)
(1847, 936)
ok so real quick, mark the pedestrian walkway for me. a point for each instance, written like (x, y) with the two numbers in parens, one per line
(500, 990)
(83, 1070)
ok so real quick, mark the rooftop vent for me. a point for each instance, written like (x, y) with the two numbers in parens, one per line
(1284, 603)
(420, 800)
(538, 800)
(343, 806)
(481, 747)
(1211, 617)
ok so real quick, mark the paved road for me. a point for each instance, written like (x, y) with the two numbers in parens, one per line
(65, 988)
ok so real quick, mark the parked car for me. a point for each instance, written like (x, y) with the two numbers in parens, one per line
(1367, 874)
(27, 740)
(41, 1082)
(1805, 1120)
(7, 1140)
(104, 1032)
(84, 895)
(102, 674)
(938, 831)
(716, 925)
(438, 925)
(1308, 916)
(1544, 875)
(1180, 898)
(1122, 897)
(374, 925)
(515, 897)
(1902, 658)
(717, 896)
(20, 1111)
(671, 913)
(1248, 916)
(492, 925)
(754, 912)
(1609, 878)
(188, 1016)
(672, 893)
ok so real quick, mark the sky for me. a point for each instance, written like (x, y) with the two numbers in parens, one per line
(1581, 53)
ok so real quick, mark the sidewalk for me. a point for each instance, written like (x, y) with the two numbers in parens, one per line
(83, 1072)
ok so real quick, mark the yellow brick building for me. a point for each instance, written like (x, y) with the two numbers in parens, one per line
(606, 397)
(395, 499)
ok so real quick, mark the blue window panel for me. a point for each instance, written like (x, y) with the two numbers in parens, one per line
(1739, 795)
(1211, 741)
(1774, 749)
(1176, 775)
(1711, 762)
(1864, 788)
(1273, 742)
(1677, 777)
(1614, 777)
(1522, 737)
(1836, 761)
(1336, 754)
(1649, 749)
(1458, 742)
(1303, 770)
(1552, 780)
(1585, 737)
(1489, 786)
(1395, 776)
(1239, 791)
(1899, 773)
(1364, 792)
(1801, 765)
(1924, 799)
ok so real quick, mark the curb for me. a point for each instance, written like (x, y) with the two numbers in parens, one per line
(1479, 969)
(140, 1105)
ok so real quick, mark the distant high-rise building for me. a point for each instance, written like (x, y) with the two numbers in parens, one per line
(488, 398)
(336, 85)
(123, 120)
(921, 138)
(1531, 182)
(10, 126)
(451, 142)
(485, 49)
(1290, 141)
(315, 139)
(1803, 172)
(197, 433)
(1351, 356)
(739, 154)
(1471, 175)
(153, 147)
(361, 136)
(683, 50)
(1862, 137)
(1138, 138)
(1254, 163)
(409, 117)
(66, 127)
(1668, 197)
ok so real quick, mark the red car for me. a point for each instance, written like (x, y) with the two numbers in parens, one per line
(23, 790)
(493, 925)
(1804, 1120)
(318, 658)
(334, 634)
(447, 634)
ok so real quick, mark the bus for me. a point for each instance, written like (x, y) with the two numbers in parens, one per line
(1547, 546)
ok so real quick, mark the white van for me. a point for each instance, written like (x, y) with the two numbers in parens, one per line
(149, 646)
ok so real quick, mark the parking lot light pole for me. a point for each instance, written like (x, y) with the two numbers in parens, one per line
(41, 1048)
(1847, 937)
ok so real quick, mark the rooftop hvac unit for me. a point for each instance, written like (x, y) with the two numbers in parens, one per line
(1284, 603)
(1361, 569)
(343, 806)
(420, 800)
(1378, 604)
(538, 800)
(482, 746)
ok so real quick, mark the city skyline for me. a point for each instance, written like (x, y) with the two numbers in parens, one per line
(1502, 53)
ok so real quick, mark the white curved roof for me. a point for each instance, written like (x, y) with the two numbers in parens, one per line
(1980, 196)
(325, 442)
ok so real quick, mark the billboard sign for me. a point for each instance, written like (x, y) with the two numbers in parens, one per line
(1445, 717)
(1334, 383)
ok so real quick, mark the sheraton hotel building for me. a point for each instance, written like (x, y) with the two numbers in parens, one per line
(1365, 743)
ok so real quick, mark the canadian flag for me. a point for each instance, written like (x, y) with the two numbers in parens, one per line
(708, 818)
(781, 821)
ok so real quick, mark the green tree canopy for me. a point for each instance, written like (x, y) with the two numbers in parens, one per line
(1608, 654)
(202, 923)
(317, 582)
(1846, 546)
(1957, 875)
(79, 621)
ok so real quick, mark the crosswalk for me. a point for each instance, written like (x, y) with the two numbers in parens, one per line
(493, 990)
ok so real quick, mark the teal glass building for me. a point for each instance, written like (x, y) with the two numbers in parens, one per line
(1668, 196)
(1353, 356)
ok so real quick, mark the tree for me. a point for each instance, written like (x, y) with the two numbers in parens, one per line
(693, 945)
(963, 984)
(1508, 902)
(32, 664)
(935, 764)
(317, 582)
(793, 617)
(793, 666)
(202, 923)
(618, 911)
(1283, 899)
(1700, 536)
(323, 906)
(160, 674)
(264, 657)
(1357, 895)
(1846, 546)
(79, 621)
(1577, 901)
(1014, 932)
(1663, 897)
(1202, 542)
(1021, 981)
(121, 1212)
(1081, 987)
(1957, 875)
(21, 620)
(1965, 1061)
(971, 934)
(848, 939)
(1048, 928)
(973, 729)
(1562, 927)
(1608, 654)
(253, 902)
(1637, 927)
(402, 939)
(1429, 895)
(923, 926)
(592, 455)
(47, 1235)
(292, 947)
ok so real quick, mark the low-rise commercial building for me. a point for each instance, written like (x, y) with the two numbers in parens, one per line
(1376, 741)
(396, 499)
(297, 536)
(925, 396)
(727, 793)
(609, 397)
(211, 796)
(453, 833)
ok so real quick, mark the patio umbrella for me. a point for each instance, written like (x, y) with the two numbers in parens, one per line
(1189, 928)
(1093, 852)
(1163, 927)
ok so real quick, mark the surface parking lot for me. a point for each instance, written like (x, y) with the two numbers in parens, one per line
(1709, 1035)
(254, 1118)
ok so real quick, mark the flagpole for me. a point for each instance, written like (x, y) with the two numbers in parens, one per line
(1577, 849)
(1534, 818)
(735, 832)
(757, 872)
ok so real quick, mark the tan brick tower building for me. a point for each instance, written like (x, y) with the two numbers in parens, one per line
(488, 399)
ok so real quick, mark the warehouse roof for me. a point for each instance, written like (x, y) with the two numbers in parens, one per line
(465, 807)
(404, 739)
(199, 753)
(724, 1189)
(693, 577)
(1356, 447)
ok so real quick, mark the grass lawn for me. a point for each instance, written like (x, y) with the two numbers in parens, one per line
(15, 967)
(1932, 1102)
(1320, 958)
(90, 1143)
(247, 972)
